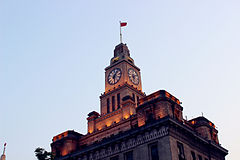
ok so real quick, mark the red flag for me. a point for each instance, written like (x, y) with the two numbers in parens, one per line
(122, 24)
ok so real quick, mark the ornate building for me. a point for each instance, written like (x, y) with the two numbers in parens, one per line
(135, 126)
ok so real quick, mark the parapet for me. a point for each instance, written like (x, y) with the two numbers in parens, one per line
(65, 143)
(67, 134)
(161, 94)
(158, 105)
(205, 128)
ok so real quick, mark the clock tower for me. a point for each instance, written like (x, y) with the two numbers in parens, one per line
(122, 70)
(122, 78)
(123, 89)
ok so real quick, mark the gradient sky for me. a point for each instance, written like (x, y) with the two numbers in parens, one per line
(53, 54)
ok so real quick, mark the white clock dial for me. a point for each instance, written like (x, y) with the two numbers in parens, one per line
(114, 76)
(133, 76)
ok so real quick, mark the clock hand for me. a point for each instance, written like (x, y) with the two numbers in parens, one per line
(114, 77)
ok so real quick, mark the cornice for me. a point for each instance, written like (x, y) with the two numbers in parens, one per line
(120, 87)
(123, 60)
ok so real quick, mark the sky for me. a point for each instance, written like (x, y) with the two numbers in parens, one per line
(53, 54)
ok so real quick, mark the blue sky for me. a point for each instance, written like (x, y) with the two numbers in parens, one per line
(53, 55)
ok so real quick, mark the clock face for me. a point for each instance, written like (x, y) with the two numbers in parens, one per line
(133, 76)
(114, 76)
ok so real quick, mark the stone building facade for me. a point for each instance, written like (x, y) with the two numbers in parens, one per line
(135, 126)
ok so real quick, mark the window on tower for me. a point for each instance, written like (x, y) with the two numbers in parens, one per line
(137, 99)
(193, 155)
(108, 106)
(113, 103)
(128, 155)
(181, 155)
(118, 100)
(133, 96)
(154, 152)
(199, 157)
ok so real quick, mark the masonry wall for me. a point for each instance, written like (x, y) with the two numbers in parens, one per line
(190, 146)
(125, 91)
(136, 142)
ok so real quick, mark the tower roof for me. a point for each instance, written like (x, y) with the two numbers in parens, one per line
(121, 52)
(121, 49)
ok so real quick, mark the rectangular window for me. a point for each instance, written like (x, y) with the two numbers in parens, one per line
(114, 158)
(154, 152)
(181, 155)
(133, 96)
(128, 155)
(199, 157)
(118, 100)
(193, 155)
(113, 103)
(108, 106)
(137, 99)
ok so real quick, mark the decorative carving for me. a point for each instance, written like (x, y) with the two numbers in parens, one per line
(116, 150)
(91, 156)
(128, 144)
(109, 151)
(123, 146)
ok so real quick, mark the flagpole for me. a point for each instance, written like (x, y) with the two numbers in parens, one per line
(4, 150)
(120, 32)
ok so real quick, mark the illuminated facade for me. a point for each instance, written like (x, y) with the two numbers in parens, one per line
(135, 126)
